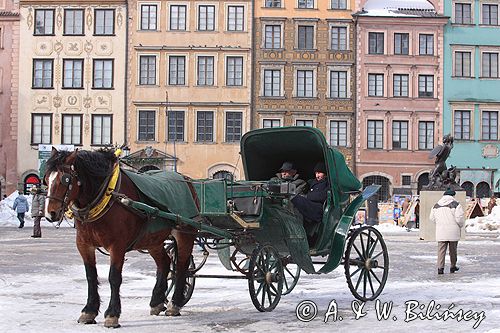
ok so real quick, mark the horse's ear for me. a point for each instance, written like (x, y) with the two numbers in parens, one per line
(72, 157)
(54, 151)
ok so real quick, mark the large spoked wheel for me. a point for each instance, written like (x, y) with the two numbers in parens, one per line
(265, 278)
(291, 273)
(171, 249)
(366, 263)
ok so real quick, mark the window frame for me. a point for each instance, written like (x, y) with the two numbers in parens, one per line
(401, 85)
(241, 65)
(309, 42)
(399, 133)
(332, 80)
(376, 77)
(74, 10)
(489, 5)
(376, 35)
(104, 11)
(401, 46)
(272, 120)
(226, 127)
(102, 116)
(425, 142)
(206, 76)
(207, 26)
(44, 10)
(236, 18)
(272, 3)
(205, 133)
(373, 138)
(273, 37)
(339, 4)
(141, 20)
(82, 62)
(148, 70)
(339, 39)
(490, 125)
(170, 71)
(104, 60)
(42, 117)
(461, 4)
(175, 134)
(482, 67)
(426, 93)
(148, 126)
(72, 116)
(176, 25)
(426, 43)
(305, 83)
(306, 4)
(338, 139)
(273, 70)
(462, 112)
(43, 60)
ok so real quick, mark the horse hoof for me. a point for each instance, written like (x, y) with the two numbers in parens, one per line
(173, 310)
(111, 322)
(156, 310)
(87, 318)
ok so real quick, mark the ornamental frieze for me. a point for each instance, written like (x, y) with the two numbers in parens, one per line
(41, 101)
(73, 101)
(43, 48)
(57, 101)
(104, 48)
(74, 48)
(103, 101)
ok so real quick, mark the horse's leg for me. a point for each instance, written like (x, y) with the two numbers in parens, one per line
(91, 309)
(185, 242)
(111, 315)
(162, 261)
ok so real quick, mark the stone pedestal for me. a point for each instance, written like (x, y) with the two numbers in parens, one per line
(428, 199)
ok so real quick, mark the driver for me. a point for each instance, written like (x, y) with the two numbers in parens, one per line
(288, 173)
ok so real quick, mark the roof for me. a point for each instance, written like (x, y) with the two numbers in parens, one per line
(398, 8)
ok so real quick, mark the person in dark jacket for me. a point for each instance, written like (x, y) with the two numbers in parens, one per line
(288, 173)
(21, 206)
(311, 205)
(37, 211)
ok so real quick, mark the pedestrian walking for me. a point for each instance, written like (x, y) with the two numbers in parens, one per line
(448, 215)
(21, 206)
(37, 210)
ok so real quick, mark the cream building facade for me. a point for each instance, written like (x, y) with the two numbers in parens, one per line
(71, 77)
(189, 85)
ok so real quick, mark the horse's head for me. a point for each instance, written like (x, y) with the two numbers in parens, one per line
(62, 181)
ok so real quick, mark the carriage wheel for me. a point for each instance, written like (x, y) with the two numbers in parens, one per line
(171, 249)
(265, 278)
(366, 263)
(291, 273)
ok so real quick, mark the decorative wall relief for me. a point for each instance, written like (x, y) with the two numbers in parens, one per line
(104, 48)
(41, 101)
(43, 47)
(87, 102)
(57, 101)
(29, 19)
(119, 17)
(73, 101)
(86, 126)
(89, 19)
(57, 122)
(88, 47)
(73, 48)
(59, 18)
(490, 151)
(58, 47)
(103, 101)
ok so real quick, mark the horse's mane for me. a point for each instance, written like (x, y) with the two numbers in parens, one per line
(92, 167)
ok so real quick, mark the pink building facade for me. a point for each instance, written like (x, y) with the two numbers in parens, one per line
(399, 93)
(9, 68)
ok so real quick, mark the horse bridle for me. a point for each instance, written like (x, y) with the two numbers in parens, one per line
(66, 180)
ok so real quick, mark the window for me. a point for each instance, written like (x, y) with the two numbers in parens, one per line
(44, 24)
(175, 126)
(103, 73)
(375, 134)
(461, 124)
(339, 4)
(375, 84)
(490, 125)
(147, 125)
(426, 86)
(305, 37)
(41, 129)
(400, 82)
(147, 75)
(71, 129)
(177, 17)
(177, 70)
(490, 14)
(462, 64)
(406, 180)
(426, 44)
(204, 126)
(101, 130)
(489, 65)
(148, 17)
(425, 135)
(399, 134)
(234, 71)
(272, 82)
(338, 133)
(273, 3)
(73, 73)
(306, 3)
(401, 43)
(104, 22)
(233, 126)
(73, 22)
(272, 37)
(339, 38)
(376, 43)
(338, 84)
(205, 71)
(206, 18)
(43, 73)
(463, 13)
(302, 122)
(269, 123)
(235, 18)
(305, 83)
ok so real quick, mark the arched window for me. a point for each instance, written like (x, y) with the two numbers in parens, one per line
(30, 181)
(223, 175)
(483, 190)
(469, 189)
(423, 180)
(384, 192)
(148, 168)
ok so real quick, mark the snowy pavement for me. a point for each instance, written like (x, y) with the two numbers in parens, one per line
(43, 289)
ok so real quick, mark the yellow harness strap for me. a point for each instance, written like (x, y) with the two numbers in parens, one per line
(107, 195)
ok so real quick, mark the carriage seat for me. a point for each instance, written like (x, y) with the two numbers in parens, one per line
(246, 206)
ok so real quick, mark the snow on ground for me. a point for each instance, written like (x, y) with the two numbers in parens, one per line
(490, 222)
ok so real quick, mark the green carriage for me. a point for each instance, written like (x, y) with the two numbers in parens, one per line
(256, 231)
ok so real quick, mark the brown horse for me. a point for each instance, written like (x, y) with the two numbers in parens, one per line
(75, 180)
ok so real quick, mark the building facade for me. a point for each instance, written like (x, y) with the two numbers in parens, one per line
(9, 66)
(71, 77)
(399, 93)
(189, 85)
(471, 94)
(305, 68)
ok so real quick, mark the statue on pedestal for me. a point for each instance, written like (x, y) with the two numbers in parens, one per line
(441, 177)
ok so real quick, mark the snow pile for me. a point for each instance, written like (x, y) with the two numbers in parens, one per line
(485, 223)
(390, 228)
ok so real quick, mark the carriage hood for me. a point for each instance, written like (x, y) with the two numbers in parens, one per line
(263, 151)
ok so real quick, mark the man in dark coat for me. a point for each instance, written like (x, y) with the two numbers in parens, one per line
(311, 205)
(37, 210)
(288, 173)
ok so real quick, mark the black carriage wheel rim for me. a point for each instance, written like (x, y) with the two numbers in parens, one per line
(290, 278)
(366, 263)
(187, 293)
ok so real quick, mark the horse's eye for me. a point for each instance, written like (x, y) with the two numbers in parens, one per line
(65, 179)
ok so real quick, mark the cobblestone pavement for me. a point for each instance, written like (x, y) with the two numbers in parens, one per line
(43, 288)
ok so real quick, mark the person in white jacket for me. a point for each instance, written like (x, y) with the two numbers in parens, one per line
(448, 215)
